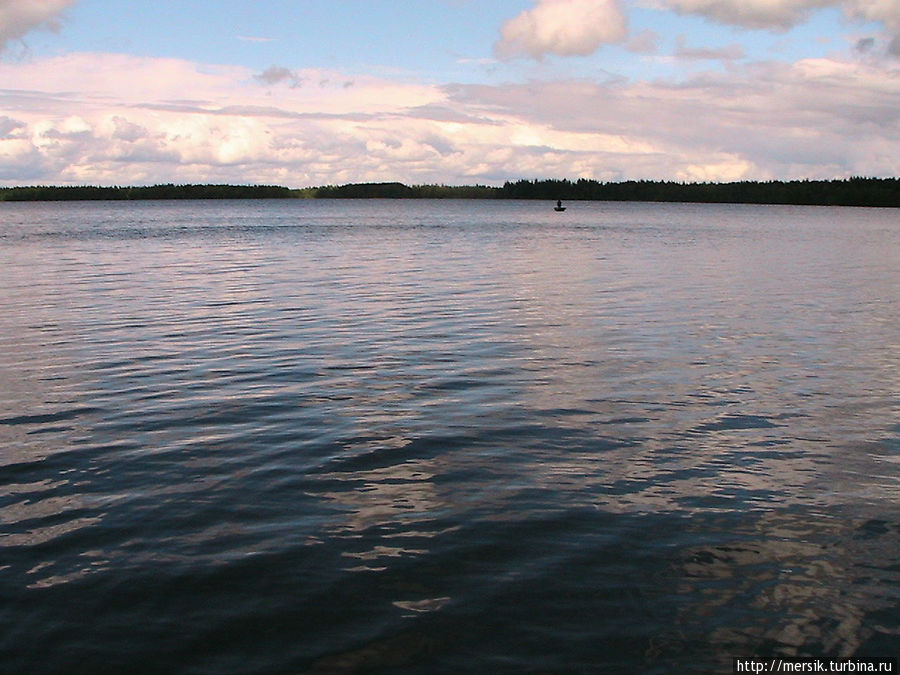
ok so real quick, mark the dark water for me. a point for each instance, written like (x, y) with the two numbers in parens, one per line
(422, 436)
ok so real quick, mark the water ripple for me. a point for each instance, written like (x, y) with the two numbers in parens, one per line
(323, 437)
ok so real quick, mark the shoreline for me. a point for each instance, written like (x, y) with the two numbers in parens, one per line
(870, 192)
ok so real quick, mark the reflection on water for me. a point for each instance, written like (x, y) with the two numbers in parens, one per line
(811, 578)
(340, 436)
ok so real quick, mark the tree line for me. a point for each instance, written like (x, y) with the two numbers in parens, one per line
(52, 193)
(401, 191)
(856, 191)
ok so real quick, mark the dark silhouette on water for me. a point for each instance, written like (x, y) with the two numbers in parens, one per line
(559, 206)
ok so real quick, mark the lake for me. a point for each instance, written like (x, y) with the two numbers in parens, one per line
(446, 436)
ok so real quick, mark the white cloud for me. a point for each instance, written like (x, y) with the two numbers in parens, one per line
(20, 161)
(817, 118)
(885, 11)
(563, 28)
(730, 52)
(778, 14)
(784, 14)
(9, 128)
(18, 17)
(141, 129)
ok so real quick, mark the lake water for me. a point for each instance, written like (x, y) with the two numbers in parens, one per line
(446, 436)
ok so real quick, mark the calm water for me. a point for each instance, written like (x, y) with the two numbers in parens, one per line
(450, 436)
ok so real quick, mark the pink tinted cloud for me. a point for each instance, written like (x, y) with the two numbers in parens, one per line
(778, 14)
(562, 28)
(133, 121)
(784, 14)
(19, 17)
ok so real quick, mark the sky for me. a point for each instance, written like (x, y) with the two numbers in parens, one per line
(321, 92)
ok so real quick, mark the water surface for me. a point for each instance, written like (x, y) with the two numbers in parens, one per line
(445, 436)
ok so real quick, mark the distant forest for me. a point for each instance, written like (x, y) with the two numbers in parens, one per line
(41, 193)
(844, 192)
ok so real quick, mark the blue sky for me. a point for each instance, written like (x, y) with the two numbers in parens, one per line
(428, 39)
(308, 92)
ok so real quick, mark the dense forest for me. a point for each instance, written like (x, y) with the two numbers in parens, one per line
(168, 191)
(844, 192)
(848, 192)
(401, 191)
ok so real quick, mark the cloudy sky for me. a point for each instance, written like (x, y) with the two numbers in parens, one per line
(316, 92)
